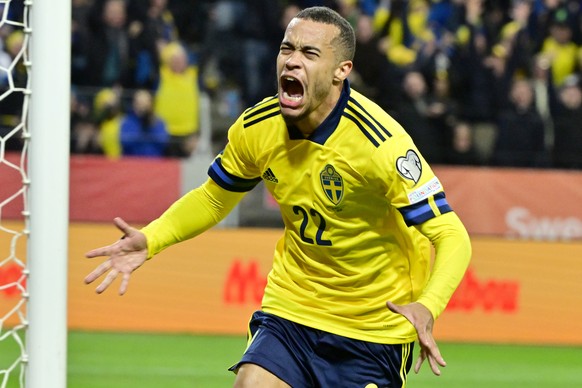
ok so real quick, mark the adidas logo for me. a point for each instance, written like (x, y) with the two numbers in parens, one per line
(269, 176)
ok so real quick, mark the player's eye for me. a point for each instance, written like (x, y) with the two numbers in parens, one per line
(285, 50)
(311, 54)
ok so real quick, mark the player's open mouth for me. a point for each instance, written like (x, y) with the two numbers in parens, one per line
(291, 93)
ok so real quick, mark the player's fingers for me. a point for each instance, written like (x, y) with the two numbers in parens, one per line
(103, 251)
(107, 281)
(122, 225)
(124, 283)
(393, 307)
(431, 349)
(434, 365)
(419, 361)
(100, 270)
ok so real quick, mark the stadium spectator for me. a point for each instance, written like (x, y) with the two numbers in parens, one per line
(15, 76)
(423, 116)
(560, 50)
(14, 43)
(404, 30)
(106, 45)
(117, 53)
(544, 96)
(462, 149)
(470, 76)
(480, 44)
(107, 114)
(222, 48)
(441, 109)
(177, 100)
(155, 17)
(512, 49)
(80, 16)
(546, 11)
(567, 114)
(84, 137)
(191, 19)
(5, 62)
(261, 36)
(373, 73)
(521, 138)
(142, 133)
(360, 207)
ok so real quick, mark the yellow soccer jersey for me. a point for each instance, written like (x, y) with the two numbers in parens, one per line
(348, 195)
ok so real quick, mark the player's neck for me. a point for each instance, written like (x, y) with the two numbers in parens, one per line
(309, 124)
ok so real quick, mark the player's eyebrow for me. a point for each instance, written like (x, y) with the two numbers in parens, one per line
(288, 44)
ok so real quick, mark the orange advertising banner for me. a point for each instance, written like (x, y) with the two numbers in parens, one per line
(516, 203)
(515, 291)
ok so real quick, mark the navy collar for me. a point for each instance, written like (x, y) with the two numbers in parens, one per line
(328, 126)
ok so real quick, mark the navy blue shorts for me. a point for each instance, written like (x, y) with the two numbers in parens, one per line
(305, 357)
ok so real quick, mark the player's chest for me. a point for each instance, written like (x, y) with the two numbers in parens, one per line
(316, 175)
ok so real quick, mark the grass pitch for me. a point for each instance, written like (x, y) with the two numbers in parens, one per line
(121, 360)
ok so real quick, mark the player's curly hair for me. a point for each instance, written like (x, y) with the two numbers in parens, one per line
(346, 39)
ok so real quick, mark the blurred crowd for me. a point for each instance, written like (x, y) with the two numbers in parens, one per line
(474, 82)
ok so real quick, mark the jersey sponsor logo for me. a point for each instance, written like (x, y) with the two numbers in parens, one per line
(433, 186)
(409, 166)
(269, 176)
(332, 184)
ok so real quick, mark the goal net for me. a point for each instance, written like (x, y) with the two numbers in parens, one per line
(14, 134)
(34, 155)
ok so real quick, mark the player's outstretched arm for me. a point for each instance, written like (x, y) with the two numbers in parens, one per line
(423, 321)
(125, 256)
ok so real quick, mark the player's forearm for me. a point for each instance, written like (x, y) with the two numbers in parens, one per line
(195, 212)
(453, 253)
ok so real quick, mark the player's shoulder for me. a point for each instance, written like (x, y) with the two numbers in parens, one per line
(260, 113)
(360, 103)
(371, 119)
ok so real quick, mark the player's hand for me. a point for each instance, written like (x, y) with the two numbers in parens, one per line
(125, 256)
(423, 321)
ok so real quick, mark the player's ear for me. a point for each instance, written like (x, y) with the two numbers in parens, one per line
(342, 71)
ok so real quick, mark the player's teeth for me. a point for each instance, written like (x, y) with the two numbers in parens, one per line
(294, 98)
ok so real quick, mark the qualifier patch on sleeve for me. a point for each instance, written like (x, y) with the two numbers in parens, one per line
(409, 166)
(430, 188)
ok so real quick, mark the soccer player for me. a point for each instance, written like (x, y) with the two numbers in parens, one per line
(351, 288)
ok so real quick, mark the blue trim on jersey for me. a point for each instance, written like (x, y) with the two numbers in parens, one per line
(442, 203)
(228, 181)
(420, 212)
(325, 129)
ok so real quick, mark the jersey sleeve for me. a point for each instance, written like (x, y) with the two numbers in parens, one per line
(234, 169)
(411, 185)
(192, 214)
(452, 256)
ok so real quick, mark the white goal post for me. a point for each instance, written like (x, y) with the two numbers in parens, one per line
(47, 258)
(38, 170)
